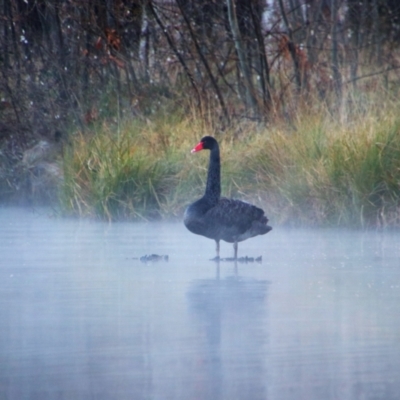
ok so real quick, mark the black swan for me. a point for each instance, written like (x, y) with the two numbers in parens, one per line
(217, 217)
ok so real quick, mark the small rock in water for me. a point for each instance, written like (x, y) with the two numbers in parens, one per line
(153, 257)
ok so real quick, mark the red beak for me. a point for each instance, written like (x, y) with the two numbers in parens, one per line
(197, 148)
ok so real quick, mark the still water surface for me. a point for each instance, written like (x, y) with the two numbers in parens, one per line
(82, 318)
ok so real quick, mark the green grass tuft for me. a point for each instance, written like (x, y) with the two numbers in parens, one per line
(317, 170)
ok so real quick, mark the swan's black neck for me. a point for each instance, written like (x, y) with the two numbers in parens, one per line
(213, 187)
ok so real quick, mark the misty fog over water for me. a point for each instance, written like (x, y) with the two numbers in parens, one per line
(83, 318)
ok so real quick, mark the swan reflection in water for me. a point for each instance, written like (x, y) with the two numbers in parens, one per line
(231, 318)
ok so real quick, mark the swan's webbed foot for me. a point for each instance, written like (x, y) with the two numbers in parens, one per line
(243, 260)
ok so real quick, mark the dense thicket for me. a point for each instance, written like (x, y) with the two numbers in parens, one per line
(68, 62)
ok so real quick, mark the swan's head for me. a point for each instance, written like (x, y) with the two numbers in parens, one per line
(207, 142)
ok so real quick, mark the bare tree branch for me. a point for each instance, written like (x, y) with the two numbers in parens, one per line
(174, 49)
(251, 99)
(205, 63)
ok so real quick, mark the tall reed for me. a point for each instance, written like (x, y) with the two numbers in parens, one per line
(315, 170)
(326, 171)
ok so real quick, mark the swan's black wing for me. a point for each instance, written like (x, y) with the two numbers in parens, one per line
(235, 220)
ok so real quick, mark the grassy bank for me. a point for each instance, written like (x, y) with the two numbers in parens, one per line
(315, 170)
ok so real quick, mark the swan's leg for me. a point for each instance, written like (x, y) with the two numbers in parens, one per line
(235, 249)
(217, 247)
